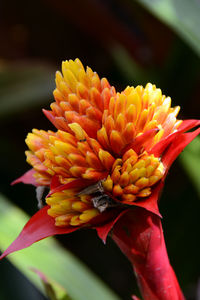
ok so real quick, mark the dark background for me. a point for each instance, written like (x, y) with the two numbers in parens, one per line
(123, 42)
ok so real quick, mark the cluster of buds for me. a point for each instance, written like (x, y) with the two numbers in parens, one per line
(104, 167)
(102, 136)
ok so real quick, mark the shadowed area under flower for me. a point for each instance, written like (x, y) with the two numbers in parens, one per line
(108, 157)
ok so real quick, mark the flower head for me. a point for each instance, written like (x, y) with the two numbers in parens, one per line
(110, 151)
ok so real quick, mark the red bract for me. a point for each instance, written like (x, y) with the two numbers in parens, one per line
(105, 168)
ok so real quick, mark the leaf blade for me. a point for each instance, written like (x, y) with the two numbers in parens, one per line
(181, 15)
(190, 160)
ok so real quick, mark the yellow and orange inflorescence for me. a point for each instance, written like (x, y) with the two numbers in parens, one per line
(133, 175)
(81, 97)
(96, 137)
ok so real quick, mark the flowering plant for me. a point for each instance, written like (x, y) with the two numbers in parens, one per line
(104, 168)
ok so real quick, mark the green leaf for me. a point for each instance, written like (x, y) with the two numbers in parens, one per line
(50, 258)
(23, 86)
(181, 15)
(190, 159)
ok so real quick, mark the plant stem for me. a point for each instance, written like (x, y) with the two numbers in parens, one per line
(139, 235)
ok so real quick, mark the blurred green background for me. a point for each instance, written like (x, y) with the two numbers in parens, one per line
(129, 42)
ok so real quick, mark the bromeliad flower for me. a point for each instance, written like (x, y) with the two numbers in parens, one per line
(104, 167)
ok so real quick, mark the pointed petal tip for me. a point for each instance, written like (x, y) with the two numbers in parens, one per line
(3, 255)
(46, 112)
(104, 229)
(188, 124)
(26, 178)
(151, 203)
(162, 145)
(177, 146)
(40, 226)
(104, 240)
